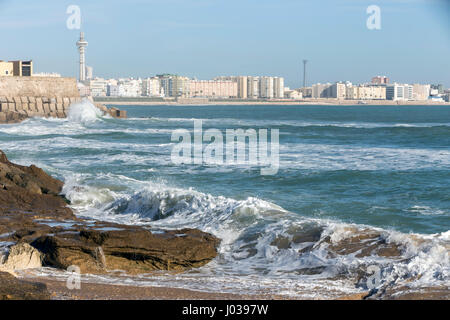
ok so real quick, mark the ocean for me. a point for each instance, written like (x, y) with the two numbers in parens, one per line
(345, 172)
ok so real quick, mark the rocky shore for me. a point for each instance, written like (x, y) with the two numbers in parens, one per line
(37, 228)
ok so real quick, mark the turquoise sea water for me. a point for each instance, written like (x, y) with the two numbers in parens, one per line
(381, 167)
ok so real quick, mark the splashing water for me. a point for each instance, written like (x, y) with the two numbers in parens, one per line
(84, 112)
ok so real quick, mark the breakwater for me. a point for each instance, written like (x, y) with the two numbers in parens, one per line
(25, 97)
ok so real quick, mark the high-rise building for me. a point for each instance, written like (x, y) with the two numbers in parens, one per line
(278, 87)
(213, 88)
(174, 85)
(151, 87)
(366, 92)
(253, 87)
(250, 87)
(82, 44)
(242, 82)
(337, 91)
(266, 87)
(320, 90)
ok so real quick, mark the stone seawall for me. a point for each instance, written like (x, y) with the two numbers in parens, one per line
(18, 108)
(38, 87)
(25, 97)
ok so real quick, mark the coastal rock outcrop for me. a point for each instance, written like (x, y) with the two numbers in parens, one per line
(35, 217)
(20, 257)
(133, 250)
(12, 288)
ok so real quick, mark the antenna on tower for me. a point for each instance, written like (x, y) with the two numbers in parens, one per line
(304, 73)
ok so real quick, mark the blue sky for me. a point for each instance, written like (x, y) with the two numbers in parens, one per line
(207, 38)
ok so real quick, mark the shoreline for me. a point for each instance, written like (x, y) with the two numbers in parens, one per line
(102, 291)
(58, 290)
(277, 103)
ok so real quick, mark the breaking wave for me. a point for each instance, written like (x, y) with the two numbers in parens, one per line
(260, 238)
(83, 112)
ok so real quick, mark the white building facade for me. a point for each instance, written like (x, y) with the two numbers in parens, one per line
(399, 92)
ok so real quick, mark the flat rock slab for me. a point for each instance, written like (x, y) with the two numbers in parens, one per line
(12, 288)
(133, 250)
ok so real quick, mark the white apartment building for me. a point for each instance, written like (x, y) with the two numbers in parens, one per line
(250, 87)
(242, 82)
(174, 86)
(337, 90)
(266, 87)
(213, 88)
(366, 92)
(320, 90)
(125, 88)
(97, 86)
(397, 91)
(293, 94)
(253, 88)
(278, 88)
(421, 92)
(114, 90)
(151, 87)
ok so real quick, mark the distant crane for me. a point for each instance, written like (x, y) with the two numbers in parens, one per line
(304, 73)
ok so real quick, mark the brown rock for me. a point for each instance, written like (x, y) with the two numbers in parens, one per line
(133, 249)
(22, 176)
(365, 243)
(412, 293)
(355, 296)
(20, 257)
(12, 288)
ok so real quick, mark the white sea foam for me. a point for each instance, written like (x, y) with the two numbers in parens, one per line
(252, 233)
(83, 112)
(427, 210)
(347, 157)
(297, 123)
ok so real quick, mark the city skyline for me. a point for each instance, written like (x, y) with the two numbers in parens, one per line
(180, 46)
